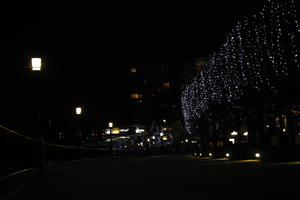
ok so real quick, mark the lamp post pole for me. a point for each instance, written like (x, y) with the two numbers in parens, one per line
(78, 112)
(110, 125)
(36, 66)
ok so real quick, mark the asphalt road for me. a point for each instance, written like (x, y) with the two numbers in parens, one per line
(166, 177)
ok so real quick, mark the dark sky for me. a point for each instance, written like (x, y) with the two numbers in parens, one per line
(88, 46)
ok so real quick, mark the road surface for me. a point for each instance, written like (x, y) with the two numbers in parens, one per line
(158, 177)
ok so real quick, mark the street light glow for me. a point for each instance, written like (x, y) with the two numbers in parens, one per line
(78, 110)
(36, 64)
(210, 154)
(257, 155)
(227, 155)
(110, 124)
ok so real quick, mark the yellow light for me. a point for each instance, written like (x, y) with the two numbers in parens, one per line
(136, 96)
(133, 70)
(115, 130)
(227, 155)
(36, 64)
(165, 138)
(257, 155)
(166, 85)
(78, 110)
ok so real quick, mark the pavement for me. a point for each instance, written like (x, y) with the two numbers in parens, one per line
(166, 176)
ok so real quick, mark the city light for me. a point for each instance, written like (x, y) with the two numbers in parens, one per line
(110, 124)
(165, 138)
(161, 134)
(36, 64)
(115, 131)
(257, 155)
(186, 140)
(78, 110)
(227, 155)
(245, 133)
(139, 130)
(210, 154)
(232, 140)
(153, 137)
(234, 133)
(164, 120)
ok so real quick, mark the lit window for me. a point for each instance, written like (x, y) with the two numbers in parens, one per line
(200, 65)
(166, 85)
(136, 96)
(133, 70)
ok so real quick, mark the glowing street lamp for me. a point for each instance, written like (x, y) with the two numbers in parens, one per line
(36, 64)
(78, 110)
(110, 125)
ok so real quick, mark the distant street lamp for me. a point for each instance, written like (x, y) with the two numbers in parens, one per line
(36, 65)
(78, 111)
(110, 125)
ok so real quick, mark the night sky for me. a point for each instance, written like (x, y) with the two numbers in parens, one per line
(87, 48)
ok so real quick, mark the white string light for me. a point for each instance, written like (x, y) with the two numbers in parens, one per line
(256, 54)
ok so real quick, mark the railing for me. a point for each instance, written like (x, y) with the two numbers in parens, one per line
(19, 152)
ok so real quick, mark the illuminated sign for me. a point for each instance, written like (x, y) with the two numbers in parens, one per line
(139, 130)
(115, 131)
